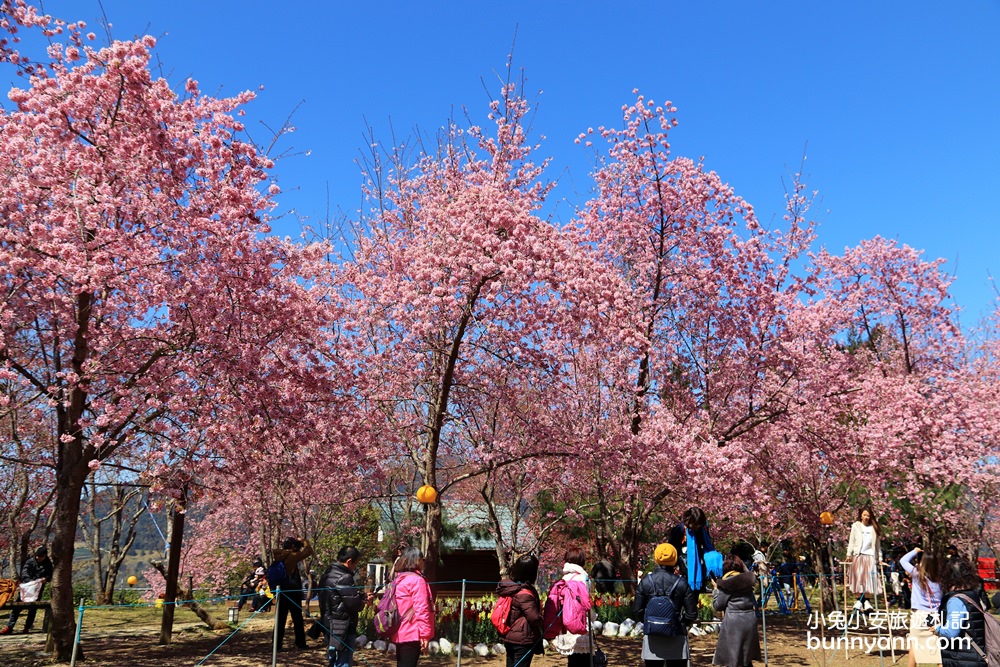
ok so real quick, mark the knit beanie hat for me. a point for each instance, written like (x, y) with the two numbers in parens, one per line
(665, 554)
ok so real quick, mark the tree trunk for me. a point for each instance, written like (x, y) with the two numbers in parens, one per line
(110, 580)
(825, 583)
(72, 470)
(123, 536)
(202, 614)
(71, 476)
(432, 540)
(436, 420)
(626, 572)
(173, 570)
(624, 537)
(626, 550)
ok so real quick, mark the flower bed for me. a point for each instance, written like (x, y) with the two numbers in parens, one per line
(475, 617)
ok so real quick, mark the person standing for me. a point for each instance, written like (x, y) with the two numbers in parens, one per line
(864, 553)
(925, 600)
(415, 608)
(962, 616)
(659, 650)
(397, 559)
(739, 643)
(340, 601)
(577, 648)
(525, 620)
(692, 540)
(895, 580)
(292, 552)
(36, 568)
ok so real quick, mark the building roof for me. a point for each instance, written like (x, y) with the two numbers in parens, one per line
(467, 525)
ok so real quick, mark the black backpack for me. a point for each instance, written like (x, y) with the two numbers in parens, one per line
(661, 615)
(991, 628)
(276, 574)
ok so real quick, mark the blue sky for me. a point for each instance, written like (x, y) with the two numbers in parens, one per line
(895, 104)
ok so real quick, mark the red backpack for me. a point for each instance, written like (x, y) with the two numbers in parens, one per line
(500, 618)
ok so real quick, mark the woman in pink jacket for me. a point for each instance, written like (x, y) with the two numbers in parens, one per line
(416, 609)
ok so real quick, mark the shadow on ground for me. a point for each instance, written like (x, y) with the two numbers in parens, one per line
(195, 645)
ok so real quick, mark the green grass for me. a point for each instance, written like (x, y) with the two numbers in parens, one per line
(110, 619)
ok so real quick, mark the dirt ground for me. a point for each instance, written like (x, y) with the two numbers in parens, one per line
(135, 645)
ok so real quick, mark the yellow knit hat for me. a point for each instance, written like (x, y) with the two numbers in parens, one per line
(665, 554)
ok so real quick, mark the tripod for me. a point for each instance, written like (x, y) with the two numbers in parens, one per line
(776, 588)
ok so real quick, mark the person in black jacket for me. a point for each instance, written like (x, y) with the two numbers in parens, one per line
(525, 637)
(692, 540)
(962, 618)
(35, 568)
(340, 600)
(658, 650)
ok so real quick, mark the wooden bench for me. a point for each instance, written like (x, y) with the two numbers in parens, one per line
(41, 604)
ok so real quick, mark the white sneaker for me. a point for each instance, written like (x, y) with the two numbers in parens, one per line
(857, 604)
(868, 606)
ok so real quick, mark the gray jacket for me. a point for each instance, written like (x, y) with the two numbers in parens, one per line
(739, 643)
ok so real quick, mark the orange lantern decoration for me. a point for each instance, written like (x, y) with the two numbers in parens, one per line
(826, 518)
(131, 581)
(427, 494)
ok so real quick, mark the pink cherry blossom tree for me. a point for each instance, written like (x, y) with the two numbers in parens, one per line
(906, 357)
(454, 280)
(696, 326)
(133, 261)
(883, 411)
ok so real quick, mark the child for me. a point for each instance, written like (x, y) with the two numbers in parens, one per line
(739, 644)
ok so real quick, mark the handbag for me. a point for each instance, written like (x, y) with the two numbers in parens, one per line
(31, 590)
(597, 657)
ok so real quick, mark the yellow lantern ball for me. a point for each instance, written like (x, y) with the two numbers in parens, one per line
(825, 518)
(427, 494)
(131, 581)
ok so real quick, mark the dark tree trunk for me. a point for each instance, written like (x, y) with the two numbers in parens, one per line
(432, 535)
(173, 570)
(825, 583)
(71, 476)
(71, 473)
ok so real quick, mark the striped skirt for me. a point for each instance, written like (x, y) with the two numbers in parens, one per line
(863, 576)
